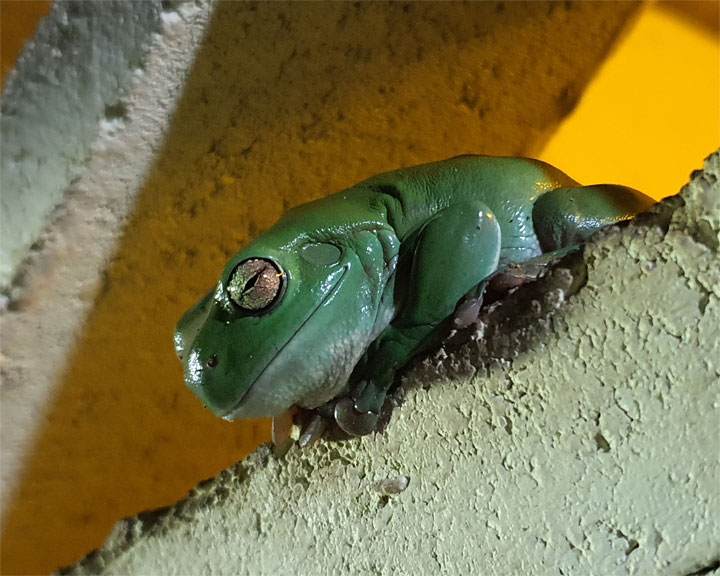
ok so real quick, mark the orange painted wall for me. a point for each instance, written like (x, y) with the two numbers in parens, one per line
(655, 103)
(18, 20)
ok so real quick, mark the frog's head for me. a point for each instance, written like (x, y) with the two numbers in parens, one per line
(284, 326)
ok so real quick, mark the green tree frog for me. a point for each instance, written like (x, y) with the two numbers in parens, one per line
(326, 306)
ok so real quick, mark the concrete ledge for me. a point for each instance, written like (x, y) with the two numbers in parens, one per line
(592, 449)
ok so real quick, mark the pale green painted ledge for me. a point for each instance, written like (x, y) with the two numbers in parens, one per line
(595, 451)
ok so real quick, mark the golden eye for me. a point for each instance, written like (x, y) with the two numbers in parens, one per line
(255, 284)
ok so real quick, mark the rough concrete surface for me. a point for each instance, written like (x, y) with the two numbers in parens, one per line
(72, 75)
(592, 450)
(285, 102)
(57, 284)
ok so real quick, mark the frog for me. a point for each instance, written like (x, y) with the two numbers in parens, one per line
(325, 308)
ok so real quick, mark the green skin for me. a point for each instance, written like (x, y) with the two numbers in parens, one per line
(344, 291)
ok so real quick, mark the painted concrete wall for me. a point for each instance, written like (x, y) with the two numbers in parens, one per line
(285, 102)
(70, 78)
(57, 286)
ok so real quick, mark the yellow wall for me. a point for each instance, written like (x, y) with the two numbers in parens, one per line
(655, 102)
(18, 20)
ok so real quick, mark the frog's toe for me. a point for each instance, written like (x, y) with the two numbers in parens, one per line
(467, 313)
(468, 309)
(312, 431)
(281, 432)
(352, 421)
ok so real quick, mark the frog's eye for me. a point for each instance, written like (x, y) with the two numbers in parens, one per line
(321, 254)
(255, 284)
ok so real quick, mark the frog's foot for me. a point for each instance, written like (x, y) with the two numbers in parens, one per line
(498, 285)
(468, 309)
(352, 421)
(358, 414)
(519, 273)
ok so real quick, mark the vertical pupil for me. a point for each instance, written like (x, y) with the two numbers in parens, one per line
(250, 284)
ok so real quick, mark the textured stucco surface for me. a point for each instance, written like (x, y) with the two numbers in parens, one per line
(592, 451)
(70, 77)
(285, 102)
(58, 288)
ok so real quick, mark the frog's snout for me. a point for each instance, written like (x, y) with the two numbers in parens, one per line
(190, 325)
(184, 344)
(179, 345)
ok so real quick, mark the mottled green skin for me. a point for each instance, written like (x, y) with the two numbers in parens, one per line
(411, 243)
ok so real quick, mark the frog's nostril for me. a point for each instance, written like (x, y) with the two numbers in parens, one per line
(179, 345)
(212, 361)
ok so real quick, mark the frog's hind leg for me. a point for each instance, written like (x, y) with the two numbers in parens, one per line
(565, 217)
(454, 251)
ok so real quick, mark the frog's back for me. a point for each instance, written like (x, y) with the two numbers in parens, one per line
(507, 186)
(405, 199)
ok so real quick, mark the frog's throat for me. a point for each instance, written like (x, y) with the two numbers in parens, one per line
(229, 414)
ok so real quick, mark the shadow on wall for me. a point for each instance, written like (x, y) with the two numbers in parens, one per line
(705, 13)
(286, 102)
(17, 24)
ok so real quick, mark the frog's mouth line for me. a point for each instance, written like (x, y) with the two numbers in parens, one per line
(229, 413)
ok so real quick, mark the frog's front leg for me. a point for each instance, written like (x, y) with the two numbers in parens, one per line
(566, 217)
(454, 251)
